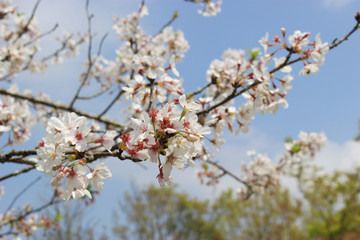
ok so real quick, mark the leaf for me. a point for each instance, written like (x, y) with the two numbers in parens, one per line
(176, 14)
(58, 216)
(296, 147)
(253, 54)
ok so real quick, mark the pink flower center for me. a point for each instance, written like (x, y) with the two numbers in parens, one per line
(78, 136)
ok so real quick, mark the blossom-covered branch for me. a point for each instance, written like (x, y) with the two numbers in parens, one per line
(163, 124)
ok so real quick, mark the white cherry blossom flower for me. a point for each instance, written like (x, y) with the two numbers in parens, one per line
(308, 69)
(188, 105)
(97, 175)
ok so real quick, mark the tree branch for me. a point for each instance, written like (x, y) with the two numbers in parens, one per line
(227, 172)
(60, 106)
(336, 43)
(111, 103)
(89, 55)
(25, 29)
(16, 173)
(27, 187)
(285, 63)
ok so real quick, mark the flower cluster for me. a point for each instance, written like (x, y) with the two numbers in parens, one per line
(64, 150)
(20, 43)
(144, 67)
(312, 53)
(15, 118)
(210, 9)
(260, 173)
(167, 132)
(70, 46)
(305, 147)
(150, 58)
(249, 75)
(25, 222)
(209, 172)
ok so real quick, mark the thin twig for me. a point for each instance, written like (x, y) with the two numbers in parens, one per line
(141, 6)
(152, 81)
(25, 29)
(27, 187)
(90, 64)
(42, 35)
(336, 43)
(95, 94)
(16, 173)
(166, 24)
(285, 63)
(199, 90)
(111, 103)
(60, 106)
(44, 59)
(225, 171)
(51, 202)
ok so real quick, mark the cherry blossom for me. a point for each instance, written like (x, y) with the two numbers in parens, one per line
(211, 8)
(163, 124)
(97, 174)
(107, 140)
(16, 118)
(70, 133)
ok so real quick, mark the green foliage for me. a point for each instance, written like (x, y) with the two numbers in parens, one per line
(156, 213)
(253, 53)
(334, 205)
(269, 216)
(329, 209)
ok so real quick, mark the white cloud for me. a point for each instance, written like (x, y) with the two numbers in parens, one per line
(337, 156)
(334, 156)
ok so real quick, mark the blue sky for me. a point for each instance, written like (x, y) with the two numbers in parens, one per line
(328, 101)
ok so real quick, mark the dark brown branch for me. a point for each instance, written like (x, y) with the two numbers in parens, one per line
(60, 49)
(175, 15)
(230, 97)
(111, 103)
(19, 156)
(94, 95)
(89, 17)
(225, 171)
(27, 187)
(152, 81)
(44, 59)
(43, 35)
(25, 29)
(336, 43)
(60, 106)
(199, 90)
(51, 202)
(285, 63)
(22, 160)
(91, 157)
(16, 173)
(141, 6)
(23, 153)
